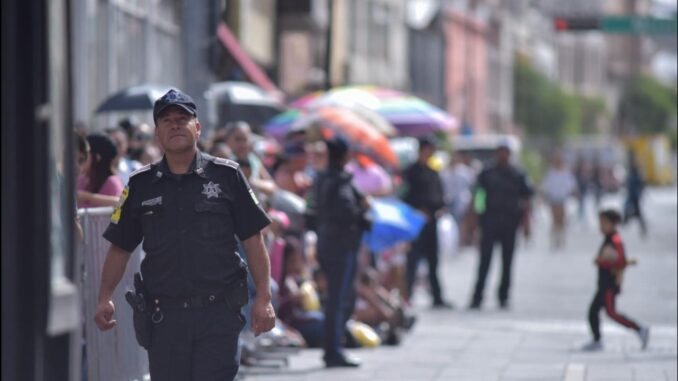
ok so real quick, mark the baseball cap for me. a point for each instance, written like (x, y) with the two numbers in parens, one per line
(174, 97)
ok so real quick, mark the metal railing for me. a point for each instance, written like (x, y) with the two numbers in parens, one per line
(113, 355)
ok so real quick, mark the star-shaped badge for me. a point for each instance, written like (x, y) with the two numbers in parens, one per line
(211, 190)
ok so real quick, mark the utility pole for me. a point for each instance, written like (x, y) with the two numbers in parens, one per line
(328, 44)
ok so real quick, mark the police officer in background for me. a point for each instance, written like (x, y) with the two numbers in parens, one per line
(425, 193)
(188, 210)
(503, 195)
(339, 211)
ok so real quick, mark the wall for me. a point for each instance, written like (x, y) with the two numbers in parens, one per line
(466, 68)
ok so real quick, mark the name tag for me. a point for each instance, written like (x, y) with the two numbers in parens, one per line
(152, 202)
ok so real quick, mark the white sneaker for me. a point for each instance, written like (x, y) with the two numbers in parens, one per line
(644, 334)
(592, 346)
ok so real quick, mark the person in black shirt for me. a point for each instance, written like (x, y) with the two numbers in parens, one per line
(188, 209)
(506, 191)
(611, 261)
(425, 193)
(339, 218)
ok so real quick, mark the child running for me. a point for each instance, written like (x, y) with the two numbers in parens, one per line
(611, 261)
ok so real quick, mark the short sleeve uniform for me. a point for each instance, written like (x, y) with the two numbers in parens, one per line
(188, 224)
(508, 190)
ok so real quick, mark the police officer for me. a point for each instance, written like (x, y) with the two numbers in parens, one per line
(425, 193)
(506, 192)
(339, 218)
(188, 209)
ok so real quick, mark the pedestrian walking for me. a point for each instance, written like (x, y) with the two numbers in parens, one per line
(635, 185)
(188, 209)
(425, 193)
(558, 184)
(503, 195)
(597, 181)
(583, 176)
(339, 211)
(611, 261)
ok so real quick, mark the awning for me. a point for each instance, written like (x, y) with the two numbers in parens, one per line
(251, 69)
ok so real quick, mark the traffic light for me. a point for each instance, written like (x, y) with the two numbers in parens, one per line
(573, 24)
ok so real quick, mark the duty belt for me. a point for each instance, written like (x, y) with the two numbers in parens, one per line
(188, 302)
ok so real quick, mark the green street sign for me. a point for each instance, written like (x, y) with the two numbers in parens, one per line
(637, 25)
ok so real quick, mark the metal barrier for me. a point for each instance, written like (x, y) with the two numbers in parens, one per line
(113, 355)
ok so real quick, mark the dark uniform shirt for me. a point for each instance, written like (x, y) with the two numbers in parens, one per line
(425, 190)
(188, 224)
(507, 191)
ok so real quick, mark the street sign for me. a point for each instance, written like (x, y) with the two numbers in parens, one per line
(576, 24)
(617, 24)
(638, 25)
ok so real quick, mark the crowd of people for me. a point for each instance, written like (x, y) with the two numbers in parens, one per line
(329, 291)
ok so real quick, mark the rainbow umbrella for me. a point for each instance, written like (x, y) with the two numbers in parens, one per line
(285, 122)
(363, 137)
(410, 115)
(282, 123)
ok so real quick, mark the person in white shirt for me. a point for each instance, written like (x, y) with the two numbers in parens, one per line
(458, 179)
(558, 184)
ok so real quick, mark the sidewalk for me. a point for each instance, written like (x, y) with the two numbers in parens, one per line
(539, 338)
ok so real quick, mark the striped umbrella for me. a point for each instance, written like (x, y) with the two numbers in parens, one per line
(363, 137)
(285, 122)
(282, 123)
(410, 115)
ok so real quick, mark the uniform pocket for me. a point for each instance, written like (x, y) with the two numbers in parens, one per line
(152, 221)
(214, 220)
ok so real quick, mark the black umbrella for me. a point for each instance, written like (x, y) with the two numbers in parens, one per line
(140, 97)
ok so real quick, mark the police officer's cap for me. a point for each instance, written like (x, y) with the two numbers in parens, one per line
(174, 98)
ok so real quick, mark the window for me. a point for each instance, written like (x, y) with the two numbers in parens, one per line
(380, 15)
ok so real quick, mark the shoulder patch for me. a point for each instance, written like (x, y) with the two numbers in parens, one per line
(140, 170)
(225, 162)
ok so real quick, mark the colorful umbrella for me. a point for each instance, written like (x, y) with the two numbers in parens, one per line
(393, 221)
(364, 138)
(282, 123)
(285, 122)
(410, 115)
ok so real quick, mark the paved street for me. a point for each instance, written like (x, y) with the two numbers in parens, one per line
(538, 339)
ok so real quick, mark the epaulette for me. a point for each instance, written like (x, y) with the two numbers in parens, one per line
(140, 170)
(225, 162)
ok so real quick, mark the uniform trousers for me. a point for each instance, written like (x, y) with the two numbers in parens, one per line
(199, 344)
(492, 233)
(426, 246)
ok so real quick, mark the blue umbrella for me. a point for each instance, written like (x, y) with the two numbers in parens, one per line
(393, 222)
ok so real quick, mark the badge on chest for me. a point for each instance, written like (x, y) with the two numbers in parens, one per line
(211, 190)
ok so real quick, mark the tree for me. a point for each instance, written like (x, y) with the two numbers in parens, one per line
(647, 106)
(548, 112)
(541, 106)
